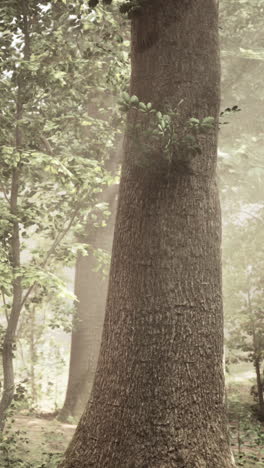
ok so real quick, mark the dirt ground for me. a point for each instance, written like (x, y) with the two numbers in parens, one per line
(40, 435)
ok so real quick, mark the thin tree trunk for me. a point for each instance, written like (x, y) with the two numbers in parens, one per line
(32, 350)
(7, 352)
(158, 395)
(260, 388)
(257, 359)
(9, 338)
(86, 336)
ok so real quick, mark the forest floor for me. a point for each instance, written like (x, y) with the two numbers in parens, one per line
(37, 441)
(41, 436)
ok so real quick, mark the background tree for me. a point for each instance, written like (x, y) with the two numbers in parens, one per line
(52, 168)
(241, 174)
(244, 297)
(91, 271)
(91, 280)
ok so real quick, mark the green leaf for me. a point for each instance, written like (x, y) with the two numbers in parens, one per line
(134, 100)
(142, 106)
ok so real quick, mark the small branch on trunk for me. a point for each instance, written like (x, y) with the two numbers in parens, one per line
(46, 144)
(58, 239)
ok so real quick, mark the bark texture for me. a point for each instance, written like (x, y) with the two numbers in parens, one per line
(158, 395)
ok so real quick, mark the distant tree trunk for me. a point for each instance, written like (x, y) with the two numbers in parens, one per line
(90, 290)
(158, 395)
(257, 351)
(260, 388)
(32, 354)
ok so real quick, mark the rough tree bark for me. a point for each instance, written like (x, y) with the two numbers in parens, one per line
(158, 395)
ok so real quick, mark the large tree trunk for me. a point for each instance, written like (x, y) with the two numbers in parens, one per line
(158, 395)
(90, 291)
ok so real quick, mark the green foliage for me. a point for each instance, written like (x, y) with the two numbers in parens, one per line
(228, 111)
(128, 7)
(158, 132)
(103, 261)
(248, 438)
(61, 163)
(133, 7)
(243, 286)
(15, 444)
(9, 440)
(61, 64)
(246, 433)
(241, 178)
(14, 448)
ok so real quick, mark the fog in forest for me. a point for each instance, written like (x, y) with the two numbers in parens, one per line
(94, 93)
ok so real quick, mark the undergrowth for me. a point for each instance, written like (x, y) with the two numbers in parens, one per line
(19, 447)
(246, 432)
